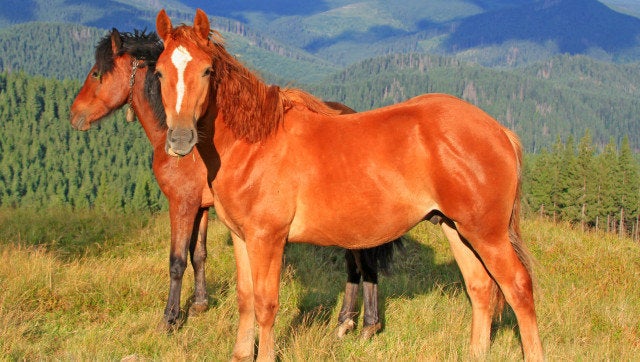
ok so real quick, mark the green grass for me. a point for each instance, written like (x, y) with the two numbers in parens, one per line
(92, 286)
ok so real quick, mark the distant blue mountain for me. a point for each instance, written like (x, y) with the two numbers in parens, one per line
(574, 25)
(234, 9)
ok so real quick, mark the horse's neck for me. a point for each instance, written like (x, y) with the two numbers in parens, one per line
(252, 120)
(144, 112)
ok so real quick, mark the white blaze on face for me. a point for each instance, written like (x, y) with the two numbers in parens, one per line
(180, 58)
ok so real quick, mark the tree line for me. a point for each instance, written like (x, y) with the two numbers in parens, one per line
(577, 183)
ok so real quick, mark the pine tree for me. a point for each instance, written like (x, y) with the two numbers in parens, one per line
(539, 181)
(586, 198)
(608, 183)
(629, 173)
(570, 184)
(141, 200)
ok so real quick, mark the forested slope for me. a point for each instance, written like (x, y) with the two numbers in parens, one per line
(51, 50)
(556, 98)
(43, 161)
(67, 51)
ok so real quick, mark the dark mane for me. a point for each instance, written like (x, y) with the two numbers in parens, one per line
(253, 110)
(154, 97)
(140, 45)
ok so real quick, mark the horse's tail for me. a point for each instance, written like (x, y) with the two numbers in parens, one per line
(514, 225)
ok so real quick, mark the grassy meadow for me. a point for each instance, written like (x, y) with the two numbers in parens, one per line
(92, 286)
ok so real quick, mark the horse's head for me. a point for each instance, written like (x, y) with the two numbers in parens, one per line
(184, 69)
(108, 85)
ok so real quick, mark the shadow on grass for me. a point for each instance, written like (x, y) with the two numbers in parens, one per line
(322, 273)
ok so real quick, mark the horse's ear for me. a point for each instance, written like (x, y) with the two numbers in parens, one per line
(163, 25)
(201, 24)
(116, 41)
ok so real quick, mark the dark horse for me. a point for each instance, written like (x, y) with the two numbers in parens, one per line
(124, 73)
(290, 169)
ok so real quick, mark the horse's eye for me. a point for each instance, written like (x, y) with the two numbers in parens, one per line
(208, 72)
(96, 75)
(158, 74)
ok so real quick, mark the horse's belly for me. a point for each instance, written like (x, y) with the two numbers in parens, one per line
(368, 224)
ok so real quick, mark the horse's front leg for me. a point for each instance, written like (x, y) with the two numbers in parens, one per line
(265, 254)
(198, 250)
(182, 225)
(245, 339)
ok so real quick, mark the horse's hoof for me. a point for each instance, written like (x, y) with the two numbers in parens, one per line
(198, 308)
(235, 358)
(370, 331)
(169, 326)
(345, 327)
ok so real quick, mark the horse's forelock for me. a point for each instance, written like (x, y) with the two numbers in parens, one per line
(142, 45)
(104, 55)
(139, 44)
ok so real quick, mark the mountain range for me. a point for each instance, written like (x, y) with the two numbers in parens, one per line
(336, 33)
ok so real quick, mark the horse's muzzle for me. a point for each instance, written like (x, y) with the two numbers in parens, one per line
(180, 141)
(79, 122)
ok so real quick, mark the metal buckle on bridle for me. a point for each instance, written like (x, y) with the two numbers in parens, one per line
(131, 116)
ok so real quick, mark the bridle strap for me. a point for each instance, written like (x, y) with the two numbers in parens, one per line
(132, 79)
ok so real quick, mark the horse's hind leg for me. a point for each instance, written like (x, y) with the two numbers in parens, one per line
(480, 288)
(369, 269)
(371, 318)
(506, 268)
(198, 250)
(346, 317)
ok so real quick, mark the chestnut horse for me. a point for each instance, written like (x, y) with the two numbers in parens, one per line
(292, 169)
(124, 74)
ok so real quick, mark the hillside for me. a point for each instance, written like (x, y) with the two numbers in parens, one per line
(61, 50)
(489, 32)
(556, 98)
(493, 33)
(103, 14)
(51, 50)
